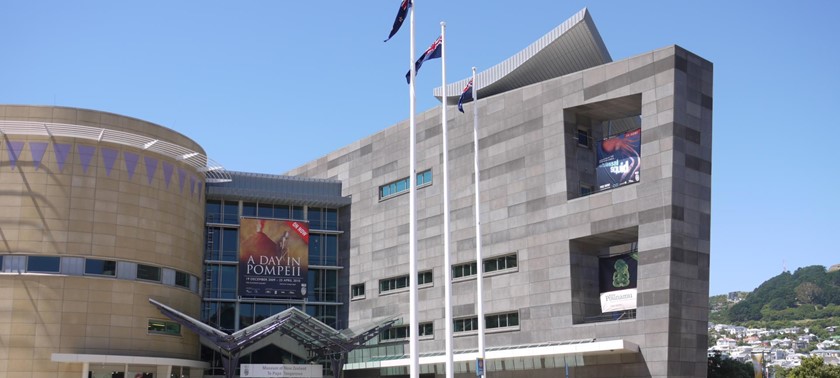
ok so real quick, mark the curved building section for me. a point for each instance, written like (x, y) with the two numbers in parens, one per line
(100, 213)
(572, 46)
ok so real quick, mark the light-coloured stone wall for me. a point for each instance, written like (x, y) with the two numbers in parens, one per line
(89, 199)
(531, 168)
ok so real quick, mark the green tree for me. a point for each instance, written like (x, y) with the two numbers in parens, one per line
(720, 367)
(814, 367)
(808, 293)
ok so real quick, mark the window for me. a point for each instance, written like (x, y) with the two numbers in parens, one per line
(424, 278)
(357, 291)
(394, 333)
(220, 281)
(162, 327)
(500, 263)
(297, 213)
(149, 273)
(390, 284)
(424, 178)
(391, 189)
(464, 270)
(506, 320)
(100, 267)
(322, 219)
(322, 285)
(213, 211)
(425, 330)
(465, 324)
(182, 279)
(510, 319)
(249, 209)
(323, 249)
(585, 189)
(583, 138)
(231, 212)
(43, 264)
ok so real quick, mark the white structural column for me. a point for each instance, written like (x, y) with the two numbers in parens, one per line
(479, 297)
(414, 368)
(447, 270)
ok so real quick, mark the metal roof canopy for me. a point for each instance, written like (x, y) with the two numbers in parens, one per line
(582, 347)
(291, 190)
(318, 338)
(213, 172)
(573, 46)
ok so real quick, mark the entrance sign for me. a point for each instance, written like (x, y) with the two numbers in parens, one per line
(280, 370)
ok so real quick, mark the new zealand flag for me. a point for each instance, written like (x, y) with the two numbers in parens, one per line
(466, 95)
(433, 52)
(400, 18)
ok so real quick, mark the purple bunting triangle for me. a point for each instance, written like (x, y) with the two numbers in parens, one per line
(61, 152)
(38, 149)
(15, 149)
(182, 174)
(130, 162)
(85, 155)
(151, 167)
(109, 157)
(192, 185)
(167, 173)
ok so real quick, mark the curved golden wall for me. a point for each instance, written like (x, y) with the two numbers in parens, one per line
(79, 198)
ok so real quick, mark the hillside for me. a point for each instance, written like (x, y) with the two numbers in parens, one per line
(808, 293)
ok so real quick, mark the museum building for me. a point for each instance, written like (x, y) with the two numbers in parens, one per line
(119, 236)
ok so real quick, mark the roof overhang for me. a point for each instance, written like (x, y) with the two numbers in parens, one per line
(122, 360)
(588, 347)
(572, 46)
(213, 172)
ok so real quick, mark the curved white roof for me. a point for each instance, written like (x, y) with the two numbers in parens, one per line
(213, 172)
(572, 46)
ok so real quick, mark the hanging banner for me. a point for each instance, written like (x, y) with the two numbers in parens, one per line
(273, 258)
(617, 276)
(619, 160)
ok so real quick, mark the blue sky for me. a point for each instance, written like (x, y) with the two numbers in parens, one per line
(267, 86)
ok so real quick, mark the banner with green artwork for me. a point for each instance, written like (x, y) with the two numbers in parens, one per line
(617, 281)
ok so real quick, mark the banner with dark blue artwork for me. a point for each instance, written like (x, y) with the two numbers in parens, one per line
(619, 160)
(617, 281)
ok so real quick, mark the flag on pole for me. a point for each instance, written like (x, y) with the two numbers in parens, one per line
(433, 52)
(466, 95)
(401, 13)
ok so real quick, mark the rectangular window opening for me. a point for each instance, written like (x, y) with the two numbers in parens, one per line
(100, 267)
(391, 284)
(148, 273)
(163, 327)
(43, 264)
(357, 291)
(400, 186)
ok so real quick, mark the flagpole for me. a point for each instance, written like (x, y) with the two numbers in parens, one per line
(479, 300)
(414, 368)
(447, 270)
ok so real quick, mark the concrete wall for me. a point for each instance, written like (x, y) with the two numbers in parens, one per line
(73, 212)
(531, 168)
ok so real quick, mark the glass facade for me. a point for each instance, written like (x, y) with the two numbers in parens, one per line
(224, 309)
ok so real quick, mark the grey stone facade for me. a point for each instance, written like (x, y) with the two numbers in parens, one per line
(532, 169)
